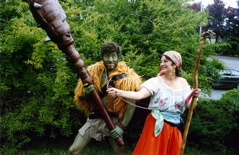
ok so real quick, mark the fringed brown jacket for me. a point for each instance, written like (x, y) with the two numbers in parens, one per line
(131, 82)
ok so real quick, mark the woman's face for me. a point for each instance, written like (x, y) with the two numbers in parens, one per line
(110, 60)
(166, 65)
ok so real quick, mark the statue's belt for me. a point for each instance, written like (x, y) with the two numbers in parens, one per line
(115, 78)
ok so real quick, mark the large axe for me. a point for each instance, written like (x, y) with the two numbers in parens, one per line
(51, 17)
(195, 85)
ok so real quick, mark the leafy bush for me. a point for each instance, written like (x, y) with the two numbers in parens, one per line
(231, 100)
(215, 123)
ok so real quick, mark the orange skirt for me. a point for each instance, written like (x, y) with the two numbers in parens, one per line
(168, 142)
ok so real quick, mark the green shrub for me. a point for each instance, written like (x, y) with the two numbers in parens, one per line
(231, 100)
(215, 123)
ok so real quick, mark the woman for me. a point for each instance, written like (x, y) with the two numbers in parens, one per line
(168, 93)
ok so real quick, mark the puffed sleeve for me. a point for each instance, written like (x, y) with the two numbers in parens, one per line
(152, 85)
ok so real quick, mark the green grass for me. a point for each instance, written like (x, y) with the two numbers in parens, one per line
(94, 148)
(101, 150)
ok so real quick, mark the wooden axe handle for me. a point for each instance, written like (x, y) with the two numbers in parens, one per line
(51, 17)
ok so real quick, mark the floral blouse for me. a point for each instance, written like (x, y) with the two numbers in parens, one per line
(166, 103)
(164, 98)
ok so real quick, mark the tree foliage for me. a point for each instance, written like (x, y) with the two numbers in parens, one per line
(218, 15)
(37, 82)
(224, 22)
(232, 33)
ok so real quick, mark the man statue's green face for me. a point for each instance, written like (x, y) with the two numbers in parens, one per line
(110, 60)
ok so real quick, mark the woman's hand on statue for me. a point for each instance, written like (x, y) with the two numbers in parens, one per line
(112, 92)
(116, 132)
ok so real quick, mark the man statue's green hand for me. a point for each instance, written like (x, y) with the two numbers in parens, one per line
(88, 89)
(116, 132)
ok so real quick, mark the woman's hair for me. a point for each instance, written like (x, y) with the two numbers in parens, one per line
(177, 72)
(111, 47)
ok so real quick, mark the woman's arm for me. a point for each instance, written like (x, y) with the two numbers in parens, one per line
(141, 94)
(195, 93)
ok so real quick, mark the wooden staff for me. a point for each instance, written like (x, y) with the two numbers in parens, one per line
(51, 17)
(195, 85)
